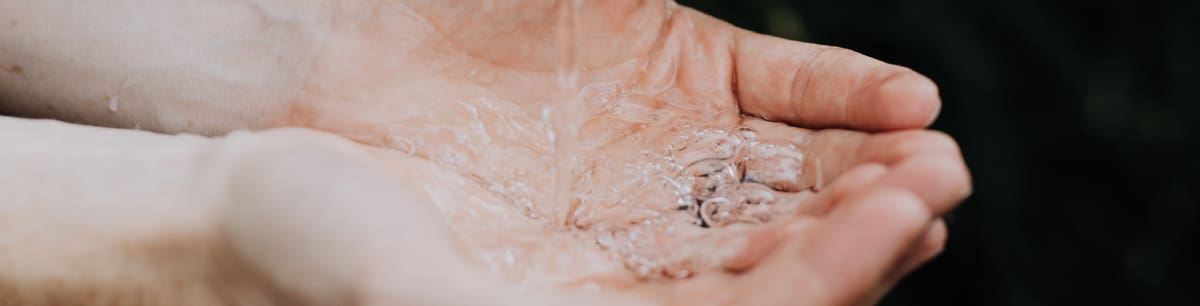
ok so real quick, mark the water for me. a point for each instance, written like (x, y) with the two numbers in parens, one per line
(564, 115)
(715, 176)
(618, 173)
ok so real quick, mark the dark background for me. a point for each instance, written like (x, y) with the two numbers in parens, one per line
(1078, 121)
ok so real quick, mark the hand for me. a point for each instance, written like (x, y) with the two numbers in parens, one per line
(284, 217)
(417, 77)
(304, 218)
(474, 88)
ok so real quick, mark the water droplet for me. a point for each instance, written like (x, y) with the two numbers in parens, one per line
(747, 133)
(401, 144)
(113, 103)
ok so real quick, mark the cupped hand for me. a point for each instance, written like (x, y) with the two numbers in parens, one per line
(525, 99)
(509, 112)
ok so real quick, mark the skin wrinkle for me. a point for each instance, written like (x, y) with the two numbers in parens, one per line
(855, 89)
(698, 48)
(318, 34)
(733, 79)
(660, 44)
(468, 51)
(444, 31)
(809, 67)
(295, 113)
(666, 24)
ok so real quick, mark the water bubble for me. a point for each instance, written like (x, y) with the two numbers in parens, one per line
(680, 274)
(677, 143)
(748, 194)
(709, 175)
(704, 145)
(717, 212)
(780, 167)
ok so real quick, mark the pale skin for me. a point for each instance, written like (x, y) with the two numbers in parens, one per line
(342, 208)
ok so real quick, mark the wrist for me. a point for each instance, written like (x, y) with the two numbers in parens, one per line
(195, 67)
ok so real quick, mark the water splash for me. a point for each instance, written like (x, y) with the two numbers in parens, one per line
(675, 189)
(565, 114)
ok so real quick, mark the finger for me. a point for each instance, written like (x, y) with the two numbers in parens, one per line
(941, 183)
(832, 152)
(839, 150)
(929, 246)
(933, 166)
(852, 181)
(925, 162)
(845, 257)
(861, 178)
(932, 242)
(862, 242)
(764, 241)
(818, 86)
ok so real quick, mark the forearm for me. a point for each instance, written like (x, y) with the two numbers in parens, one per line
(172, 66)
(93, 216)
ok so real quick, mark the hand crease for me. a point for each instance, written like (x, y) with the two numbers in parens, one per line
(809, 66)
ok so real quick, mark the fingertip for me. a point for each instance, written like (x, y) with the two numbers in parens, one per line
(935, 142)
(929, 163)
(895, 147)
(883, 218)
(941, 182)
(936, 238)
(890, 208)
(932, 244)
(866, 240)
(902, 99)
(934, 241)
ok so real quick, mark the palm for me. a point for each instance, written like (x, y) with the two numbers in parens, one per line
(542, 121)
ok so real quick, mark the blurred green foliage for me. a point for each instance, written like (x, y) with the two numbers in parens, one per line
(1078, 120)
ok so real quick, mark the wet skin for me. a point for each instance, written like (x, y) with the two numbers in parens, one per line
(457, 99)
